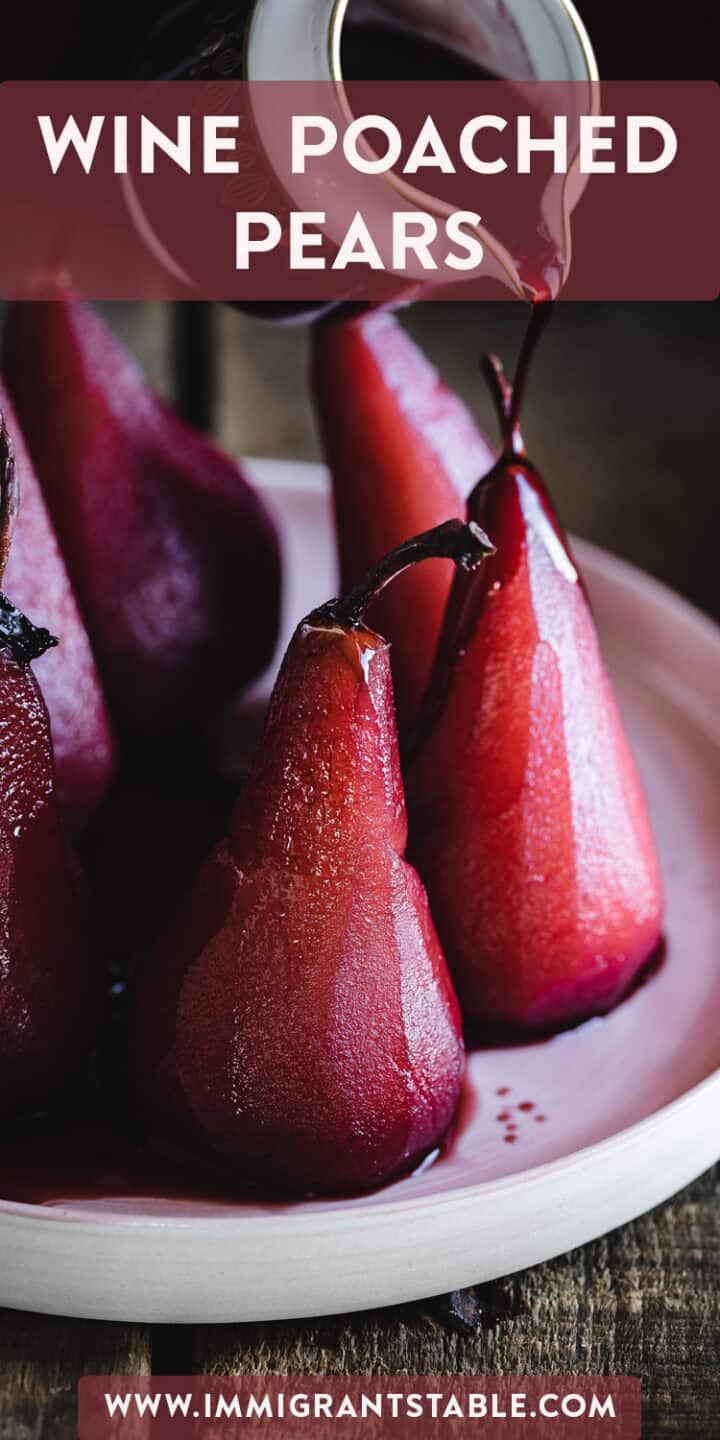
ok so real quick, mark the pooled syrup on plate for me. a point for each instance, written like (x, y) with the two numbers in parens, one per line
(89, 1162)
(91, 1147)
(48, 1160)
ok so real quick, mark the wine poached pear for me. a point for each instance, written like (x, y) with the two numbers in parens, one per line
(403, 452)
(49, 975)
(528, 821)
(299, 1016)
(165, 540)
(37, 578)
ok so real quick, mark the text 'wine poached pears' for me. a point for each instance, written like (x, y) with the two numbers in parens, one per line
(528, 822)
(299, 1016)
(49, 974)
(403, 452)
(166, 542)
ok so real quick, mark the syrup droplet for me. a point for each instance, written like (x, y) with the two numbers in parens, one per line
(503, 1090)
(526, 1105)
(509, 1138)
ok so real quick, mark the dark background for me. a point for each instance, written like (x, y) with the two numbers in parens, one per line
(633, 39)
(622, 415)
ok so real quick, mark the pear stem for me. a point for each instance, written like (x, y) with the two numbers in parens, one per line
(500, 389)
(466, 544)
(509, 398)
(26, 641)
(8, 494)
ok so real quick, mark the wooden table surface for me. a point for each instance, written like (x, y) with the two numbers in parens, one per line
(633, 433)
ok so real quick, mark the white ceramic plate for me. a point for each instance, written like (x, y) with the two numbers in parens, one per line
(629, 1103)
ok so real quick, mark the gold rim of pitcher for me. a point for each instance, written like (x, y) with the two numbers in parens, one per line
(339, 11)
(430, 203)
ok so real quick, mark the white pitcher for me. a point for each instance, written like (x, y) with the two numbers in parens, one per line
(259, 40)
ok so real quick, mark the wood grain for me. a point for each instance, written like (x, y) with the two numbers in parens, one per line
(41, 1360)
